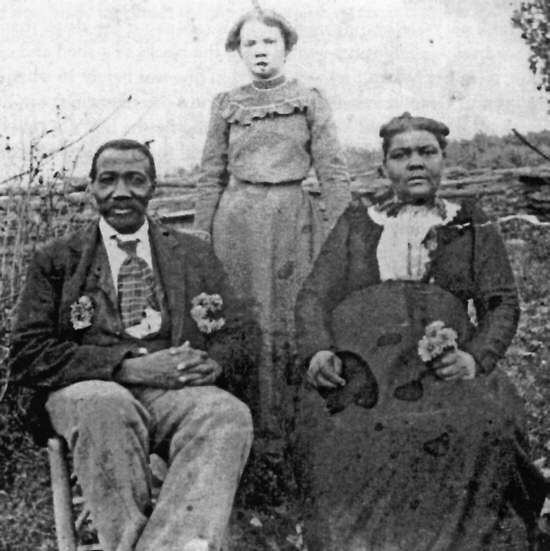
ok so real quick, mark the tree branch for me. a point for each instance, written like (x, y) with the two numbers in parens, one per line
(529, 144)
(70, 143)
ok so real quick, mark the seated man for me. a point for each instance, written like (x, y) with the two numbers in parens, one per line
(104, 330)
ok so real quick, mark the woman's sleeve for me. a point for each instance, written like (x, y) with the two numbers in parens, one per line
(495, 296)
(214, 174)
(323, 289)
(328, 158)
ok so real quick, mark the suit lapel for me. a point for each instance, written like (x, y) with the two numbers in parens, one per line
(81, 248)
(101, 271)
(170, 259)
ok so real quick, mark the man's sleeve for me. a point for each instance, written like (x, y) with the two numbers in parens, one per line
(40, 356)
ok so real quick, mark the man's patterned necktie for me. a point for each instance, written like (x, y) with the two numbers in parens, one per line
(135, 284)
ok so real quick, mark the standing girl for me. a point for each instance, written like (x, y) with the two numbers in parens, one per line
(262, 141)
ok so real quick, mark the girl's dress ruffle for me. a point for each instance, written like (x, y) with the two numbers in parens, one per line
(237, 113)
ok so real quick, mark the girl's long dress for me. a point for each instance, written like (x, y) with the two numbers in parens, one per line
(266, 228)
(444, 468)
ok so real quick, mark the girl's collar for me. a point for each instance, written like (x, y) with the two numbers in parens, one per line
(269, 83)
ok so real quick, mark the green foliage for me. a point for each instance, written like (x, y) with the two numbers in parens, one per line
(361, 160)
(533, 18)
(527, 361)
(26, 517)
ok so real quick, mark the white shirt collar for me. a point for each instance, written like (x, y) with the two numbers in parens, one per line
(107, 232)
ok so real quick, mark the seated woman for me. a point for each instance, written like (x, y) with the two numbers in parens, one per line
(408, 437)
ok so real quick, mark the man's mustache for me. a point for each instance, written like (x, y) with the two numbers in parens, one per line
(124, 204)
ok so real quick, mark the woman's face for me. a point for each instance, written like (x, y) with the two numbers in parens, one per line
(262, 49)
(414, 164)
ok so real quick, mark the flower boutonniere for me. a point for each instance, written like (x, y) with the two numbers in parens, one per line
(82, 312)
(206, 312)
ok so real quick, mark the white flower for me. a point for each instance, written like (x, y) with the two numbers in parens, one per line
(433, 328)
(437, 340)
(204, 305)
(82, 312)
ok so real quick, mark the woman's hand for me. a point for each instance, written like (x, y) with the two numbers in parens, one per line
(325, 370)
(456, 365)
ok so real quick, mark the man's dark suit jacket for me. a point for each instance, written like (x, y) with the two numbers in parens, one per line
(47, 352)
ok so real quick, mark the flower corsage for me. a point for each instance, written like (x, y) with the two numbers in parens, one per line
(437, 341)
(82, 312)
(206, 312)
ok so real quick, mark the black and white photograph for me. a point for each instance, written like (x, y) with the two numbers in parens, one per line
(274, 275)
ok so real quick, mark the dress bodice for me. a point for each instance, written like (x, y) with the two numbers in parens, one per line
(272, 136)
(269, 130)
(403, 251)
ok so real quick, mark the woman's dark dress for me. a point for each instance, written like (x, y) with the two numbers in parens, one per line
(439, 473)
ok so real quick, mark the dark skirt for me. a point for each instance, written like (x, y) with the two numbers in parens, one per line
(445, 469)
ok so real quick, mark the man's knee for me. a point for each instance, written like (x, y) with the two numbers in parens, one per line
(233, 409)
(96, 405)
(220, 408)
(225, 407)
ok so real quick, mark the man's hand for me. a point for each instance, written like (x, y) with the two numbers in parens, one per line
(170, 368)
(325, 370)
(204, 373)
(456, 365)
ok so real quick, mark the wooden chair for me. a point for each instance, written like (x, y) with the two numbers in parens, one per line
(71, 516)
(65, 503)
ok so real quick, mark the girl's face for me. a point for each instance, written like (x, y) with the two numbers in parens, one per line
(262, 49)
(414, 164)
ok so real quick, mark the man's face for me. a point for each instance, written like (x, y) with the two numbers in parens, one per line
(122, 188)
(262, 49)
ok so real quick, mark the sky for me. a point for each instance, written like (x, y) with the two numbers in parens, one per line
(461, 61)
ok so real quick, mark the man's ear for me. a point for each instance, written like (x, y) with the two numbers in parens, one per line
(89, 191)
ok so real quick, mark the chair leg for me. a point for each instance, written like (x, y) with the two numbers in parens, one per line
(61, 491)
